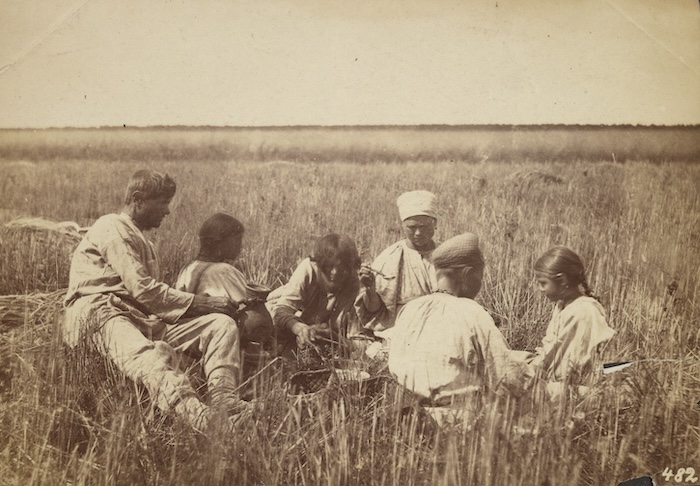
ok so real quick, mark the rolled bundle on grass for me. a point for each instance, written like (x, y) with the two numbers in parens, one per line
(69, 229)
(35, 308)
(526, 180)
(531, 176)
(39, 251)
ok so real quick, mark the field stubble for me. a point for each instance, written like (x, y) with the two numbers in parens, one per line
(68, 418)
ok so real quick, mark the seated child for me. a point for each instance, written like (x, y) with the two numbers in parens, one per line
(212, 273)
(317, 301)
(445, 347)
(578, 325)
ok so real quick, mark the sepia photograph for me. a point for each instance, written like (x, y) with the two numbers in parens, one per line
(306, 242)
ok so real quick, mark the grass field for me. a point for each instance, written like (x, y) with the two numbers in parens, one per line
(67, 418)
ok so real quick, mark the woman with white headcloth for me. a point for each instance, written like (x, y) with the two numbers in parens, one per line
(402, 271)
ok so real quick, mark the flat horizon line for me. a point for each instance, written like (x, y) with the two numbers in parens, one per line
(343, 127)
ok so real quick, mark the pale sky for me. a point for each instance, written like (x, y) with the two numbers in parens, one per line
(332, 62)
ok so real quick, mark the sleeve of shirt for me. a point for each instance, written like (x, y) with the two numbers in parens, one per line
(570, 348)
(287, 300)
(371, 320)
(504, 368)
(382, 318)
(157, 297)
(549, 342)
(560, 354)
(223, 280)
(568, 352)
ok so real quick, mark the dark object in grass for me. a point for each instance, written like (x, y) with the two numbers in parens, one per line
(315, 356)
(308, 381)
(640, 481)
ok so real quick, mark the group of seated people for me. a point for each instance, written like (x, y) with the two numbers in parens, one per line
(415, 302)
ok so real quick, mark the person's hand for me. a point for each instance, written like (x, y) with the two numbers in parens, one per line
(205, 304)
(321, 330)
(371, 299)
(305, 334)
(366, 276)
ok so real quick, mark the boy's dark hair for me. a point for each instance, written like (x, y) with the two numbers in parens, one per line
(334, 249)
(217, 227)
(151, 185)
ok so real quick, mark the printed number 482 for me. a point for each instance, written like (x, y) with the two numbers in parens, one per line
(688, 472)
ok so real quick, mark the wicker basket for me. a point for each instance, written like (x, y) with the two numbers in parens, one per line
(308, 382)
(314, 357)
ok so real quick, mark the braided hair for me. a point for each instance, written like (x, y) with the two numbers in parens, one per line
(560, 260)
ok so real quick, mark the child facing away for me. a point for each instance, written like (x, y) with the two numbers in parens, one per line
(212, 273)
(578, 326)
(317, 301)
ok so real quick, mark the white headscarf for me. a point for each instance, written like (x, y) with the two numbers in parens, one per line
(417, 203)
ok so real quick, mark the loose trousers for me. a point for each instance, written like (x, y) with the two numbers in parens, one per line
(156, 363)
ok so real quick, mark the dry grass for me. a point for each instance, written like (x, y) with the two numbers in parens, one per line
(495, 143)
(67, 418)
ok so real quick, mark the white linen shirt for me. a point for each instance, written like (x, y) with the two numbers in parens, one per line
(443, 345)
